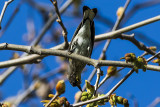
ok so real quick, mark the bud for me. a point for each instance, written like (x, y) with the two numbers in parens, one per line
(84, 98)
(62, 100)
(156, 61)
(67, 104)
(101, 102)
(153, 48)
(94, 104)
(6, 104)
(112, 99)
(77, 95)
(84, 93)
(60, 87)
(111, 70)
(45, 101)
(119, 99)
(120, 11)
(53, 104)
(140, 63)
(15, 55)
(129, 57)
(50, 95)
(111, 102)
(125, 101)
(90, 88)
(106, 99)
(90, 95)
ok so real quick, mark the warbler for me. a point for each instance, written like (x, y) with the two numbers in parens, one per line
(82, 43)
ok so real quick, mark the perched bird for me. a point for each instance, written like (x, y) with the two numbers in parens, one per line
(82, 44)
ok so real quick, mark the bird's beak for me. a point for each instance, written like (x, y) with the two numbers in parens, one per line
(79, 87)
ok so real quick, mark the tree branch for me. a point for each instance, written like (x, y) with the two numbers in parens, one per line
(59, 20)
(4, 9)
(102, 56)
(117, 33)
(45, 52)
(37, 40)
(107, 95)
(140, 45)
(112, 90)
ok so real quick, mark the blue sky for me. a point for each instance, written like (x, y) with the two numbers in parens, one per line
(144, 86)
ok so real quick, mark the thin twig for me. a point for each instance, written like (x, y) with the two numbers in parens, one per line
(117, 33)
(55, 96)
(45, 52)
(107, 95)
(102, 56)
(107, 77)
(140, 45)
(111, 91)
(155, 102)
(4, 9)
(97, 38)
(97, 80)
(11, 18)
(152, 57)
(10, 70)
(137, 7)
(59, 20)
(24, 95)
(50, 21)
(119, 19)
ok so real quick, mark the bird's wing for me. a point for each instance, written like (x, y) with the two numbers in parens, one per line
(92, 36)
(75, 33)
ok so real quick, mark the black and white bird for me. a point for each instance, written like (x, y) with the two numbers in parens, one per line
(82, 44)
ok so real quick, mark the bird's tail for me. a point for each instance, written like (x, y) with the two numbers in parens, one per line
(89, 13)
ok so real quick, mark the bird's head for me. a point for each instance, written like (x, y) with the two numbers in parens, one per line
(75, 81)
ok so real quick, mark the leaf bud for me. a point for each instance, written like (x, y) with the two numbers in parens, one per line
(60, 87)
(120, 11)
(84, 98)
(111, 71)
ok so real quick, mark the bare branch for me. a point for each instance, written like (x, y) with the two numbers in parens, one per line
(37, 40)
(10, 70)
(110, 92)
(140, 45)
(137, 7)
(152, 57)
(55, 96)
(97, 80)
(24, 95)
(11, 18)
(117, 33)
(102, 56)
(155, 102)
(45, 52)
(59, 20)
(50, 21)
(4, 9)
(107, 77)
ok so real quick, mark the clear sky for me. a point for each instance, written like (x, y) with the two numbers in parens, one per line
(144, 86)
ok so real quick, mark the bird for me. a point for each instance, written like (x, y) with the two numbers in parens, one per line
(82, 44)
